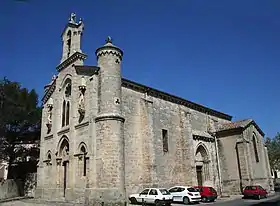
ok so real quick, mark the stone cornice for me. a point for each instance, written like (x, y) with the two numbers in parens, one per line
(71, 60)
(104, 117)
(84, 124)
(105, 50)
(49, 92)
(49, 137)
(63, 131)
(87, 70)
(172, 98)
(205, 139)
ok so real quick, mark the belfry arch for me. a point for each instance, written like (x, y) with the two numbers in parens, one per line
(202, 161)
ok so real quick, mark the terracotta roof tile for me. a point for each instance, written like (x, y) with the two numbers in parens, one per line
(235, 125)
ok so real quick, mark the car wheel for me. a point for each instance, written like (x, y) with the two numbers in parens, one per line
(203, 199)
(186, 200)
(157, 203)
(133, 200)
(258, 197)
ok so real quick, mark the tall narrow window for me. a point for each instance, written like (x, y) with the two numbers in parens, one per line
(255, 149)
(165, 140)
(68, 43)
(63, 113)
(67, 113)
(83, 150)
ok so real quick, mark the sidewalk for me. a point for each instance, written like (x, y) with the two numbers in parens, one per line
(228, 198)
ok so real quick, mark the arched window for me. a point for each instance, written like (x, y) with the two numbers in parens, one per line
(49, 157)
(63, 113)
(67, 90)
(255, 148)
(83, 151)
(67, 113)
(48, 161)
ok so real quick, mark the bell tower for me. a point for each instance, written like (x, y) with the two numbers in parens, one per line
(71, 37)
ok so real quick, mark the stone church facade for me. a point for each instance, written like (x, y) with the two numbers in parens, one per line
(104, 137)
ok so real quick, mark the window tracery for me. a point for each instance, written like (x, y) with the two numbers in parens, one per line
(66, 102)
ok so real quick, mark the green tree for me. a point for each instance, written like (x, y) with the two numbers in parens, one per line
(20, 118)
(273, 148)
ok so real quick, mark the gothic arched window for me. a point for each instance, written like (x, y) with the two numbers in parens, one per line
(67, 113)
(63, 113)
(255, 148)
(83, 151)
(67, 90)
(49, 157)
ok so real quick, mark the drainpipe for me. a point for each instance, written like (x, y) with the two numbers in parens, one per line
(213, 134)
(218, 162)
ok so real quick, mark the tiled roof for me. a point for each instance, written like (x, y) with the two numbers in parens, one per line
(239, 124)
(234, 125)
(201, 133)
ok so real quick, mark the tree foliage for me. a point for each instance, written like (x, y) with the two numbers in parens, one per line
(273, 148)
(20, 118)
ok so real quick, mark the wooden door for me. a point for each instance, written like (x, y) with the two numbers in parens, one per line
(199, 175)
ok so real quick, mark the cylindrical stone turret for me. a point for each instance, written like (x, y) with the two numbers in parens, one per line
(109, 126)
(109, 59)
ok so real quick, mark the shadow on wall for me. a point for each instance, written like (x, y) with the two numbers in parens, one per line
(11, 188)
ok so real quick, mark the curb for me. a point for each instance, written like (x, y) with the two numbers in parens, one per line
(229, 198)
(14, 199)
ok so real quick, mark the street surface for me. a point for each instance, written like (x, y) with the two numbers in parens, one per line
(270, 201)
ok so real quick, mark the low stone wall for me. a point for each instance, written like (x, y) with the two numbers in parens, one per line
(9, 189)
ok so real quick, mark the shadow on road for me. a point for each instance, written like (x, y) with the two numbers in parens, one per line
(269, 203)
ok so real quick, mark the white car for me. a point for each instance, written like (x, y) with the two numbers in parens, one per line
(152, 196)
(185, 194)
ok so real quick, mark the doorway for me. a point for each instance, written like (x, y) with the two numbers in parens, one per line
(199, 175)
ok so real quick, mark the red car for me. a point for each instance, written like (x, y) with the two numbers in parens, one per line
(208, 194)
(255, 191)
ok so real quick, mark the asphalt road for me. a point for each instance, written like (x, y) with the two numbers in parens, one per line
(271, 201)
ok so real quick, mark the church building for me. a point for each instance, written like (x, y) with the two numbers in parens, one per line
(104, 137)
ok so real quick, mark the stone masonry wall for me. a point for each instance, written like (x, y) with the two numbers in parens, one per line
(228, 163)
(146, 164)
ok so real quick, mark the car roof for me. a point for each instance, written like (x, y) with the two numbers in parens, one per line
(155, 188)
(181, 186)
(252, 185)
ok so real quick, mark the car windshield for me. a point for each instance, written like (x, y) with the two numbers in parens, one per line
(212, 189)
(198, 189)
(192, 189)
(164, 192)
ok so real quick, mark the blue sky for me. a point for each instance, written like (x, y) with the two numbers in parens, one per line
(222, 54)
